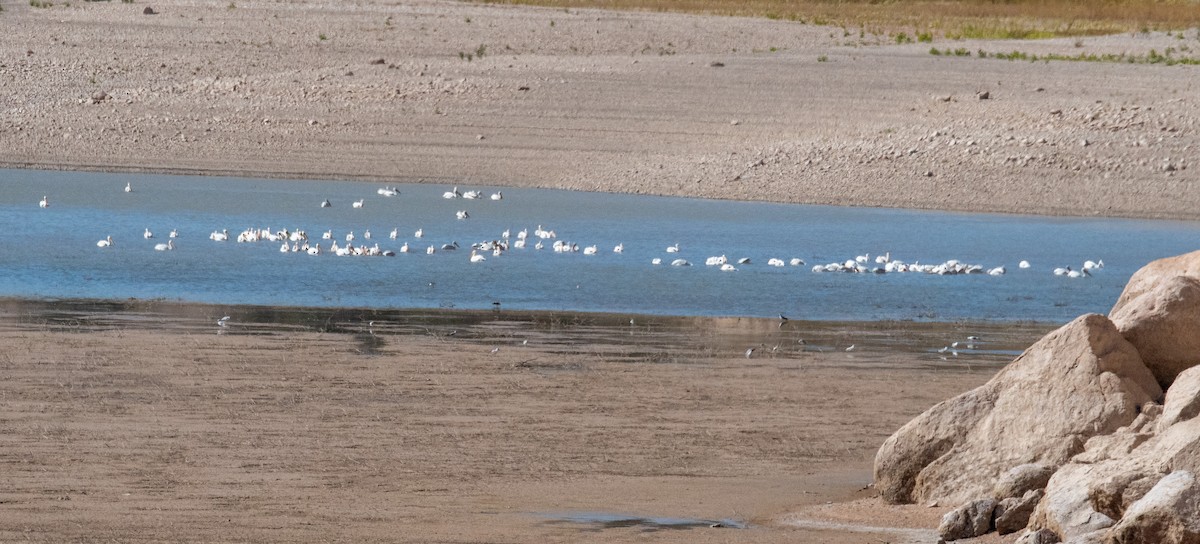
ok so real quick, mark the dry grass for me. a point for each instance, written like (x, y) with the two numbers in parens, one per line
(962, 19)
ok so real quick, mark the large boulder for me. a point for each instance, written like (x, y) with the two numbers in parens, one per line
(1155, 273)
(1081, 380)
(1163, 323)
(1012, 514)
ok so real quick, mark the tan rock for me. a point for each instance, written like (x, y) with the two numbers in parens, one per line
(1017, 481)
(1168, 514)
(1012, 514)
(968, 521)
(1147, 277)
(1163, 323)
(1084, 373)
(1183, 398)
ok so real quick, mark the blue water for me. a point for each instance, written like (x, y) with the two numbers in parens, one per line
(51, 253)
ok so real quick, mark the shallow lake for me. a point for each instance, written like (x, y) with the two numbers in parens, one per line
(52, 253)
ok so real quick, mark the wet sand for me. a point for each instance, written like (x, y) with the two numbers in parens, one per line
(145, 421)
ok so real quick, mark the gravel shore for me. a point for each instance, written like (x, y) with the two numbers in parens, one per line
(713, 107)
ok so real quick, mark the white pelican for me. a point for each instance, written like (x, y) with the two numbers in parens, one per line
(1062, 271)
(106, 242)
(538, 245)
(45, 202)
(716, 261)
(388, 191)
(1090, 265)
(775, 262)
(998, 271)
(519, 244)
(505, 234)
(674, 248)
(796, 261)
(462, 214)
(1023, 264)
(589, 250)
(128, 187)
(147, 235)
(223, 321)
(165, 247)
(404, 248)
(419, 233)
(285, 248)
(656, 261)
(357, 203)
(471, 195)
(452, 194)
(222, 236)
(450, 247)
(680, 262)
(728, 268)
(367, 234)
(744, 260)
(327, 235)
(174, 234)
(477, 258)
(315, 250)
(523, 234)
(620, 248)
(497, 196)
(325, 203)
(430, 250)
(350, 236)
(1079, 274)
(394, 234)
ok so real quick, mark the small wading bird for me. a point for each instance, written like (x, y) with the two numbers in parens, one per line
(223, 321)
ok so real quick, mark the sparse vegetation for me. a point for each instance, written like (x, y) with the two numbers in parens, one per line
(1167, 57)
(822, 58)
(983, 19)
(902, 37)
(40, 4)
(925, 37)
(322, 36)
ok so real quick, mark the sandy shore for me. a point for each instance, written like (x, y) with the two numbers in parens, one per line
(444, 92)
(154, 424)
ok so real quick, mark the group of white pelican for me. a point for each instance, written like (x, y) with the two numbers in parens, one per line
(885, 264)
(297, 241)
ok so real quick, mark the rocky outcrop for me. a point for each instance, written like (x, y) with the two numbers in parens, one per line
(1085, 373)
(1162, 323)
(1070, 440)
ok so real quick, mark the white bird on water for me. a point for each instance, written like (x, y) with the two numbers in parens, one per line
(170, 245)
(357, 203)
(452, 194)
(106, 242)
(174, 234)
(148, 235)
(419, 233)
(674, 248)
(477, 258)
(44, 203)
(1023, 264)
(497, 196)
(394, 234)
(325, 203)
(128, 187)
(620, 248)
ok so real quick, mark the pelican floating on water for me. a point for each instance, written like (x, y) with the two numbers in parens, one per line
(128, 187)
(325, 203)
(357, 203)
(174, 234)
(477, 258)
(106, 242)
(165, 247)
(674, 248)
(147, 235)
(452, 194)
(497, 196)
(44, 203)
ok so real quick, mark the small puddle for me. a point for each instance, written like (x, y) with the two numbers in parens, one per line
(596, 521)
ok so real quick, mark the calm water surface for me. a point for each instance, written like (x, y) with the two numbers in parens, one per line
(51, 253)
